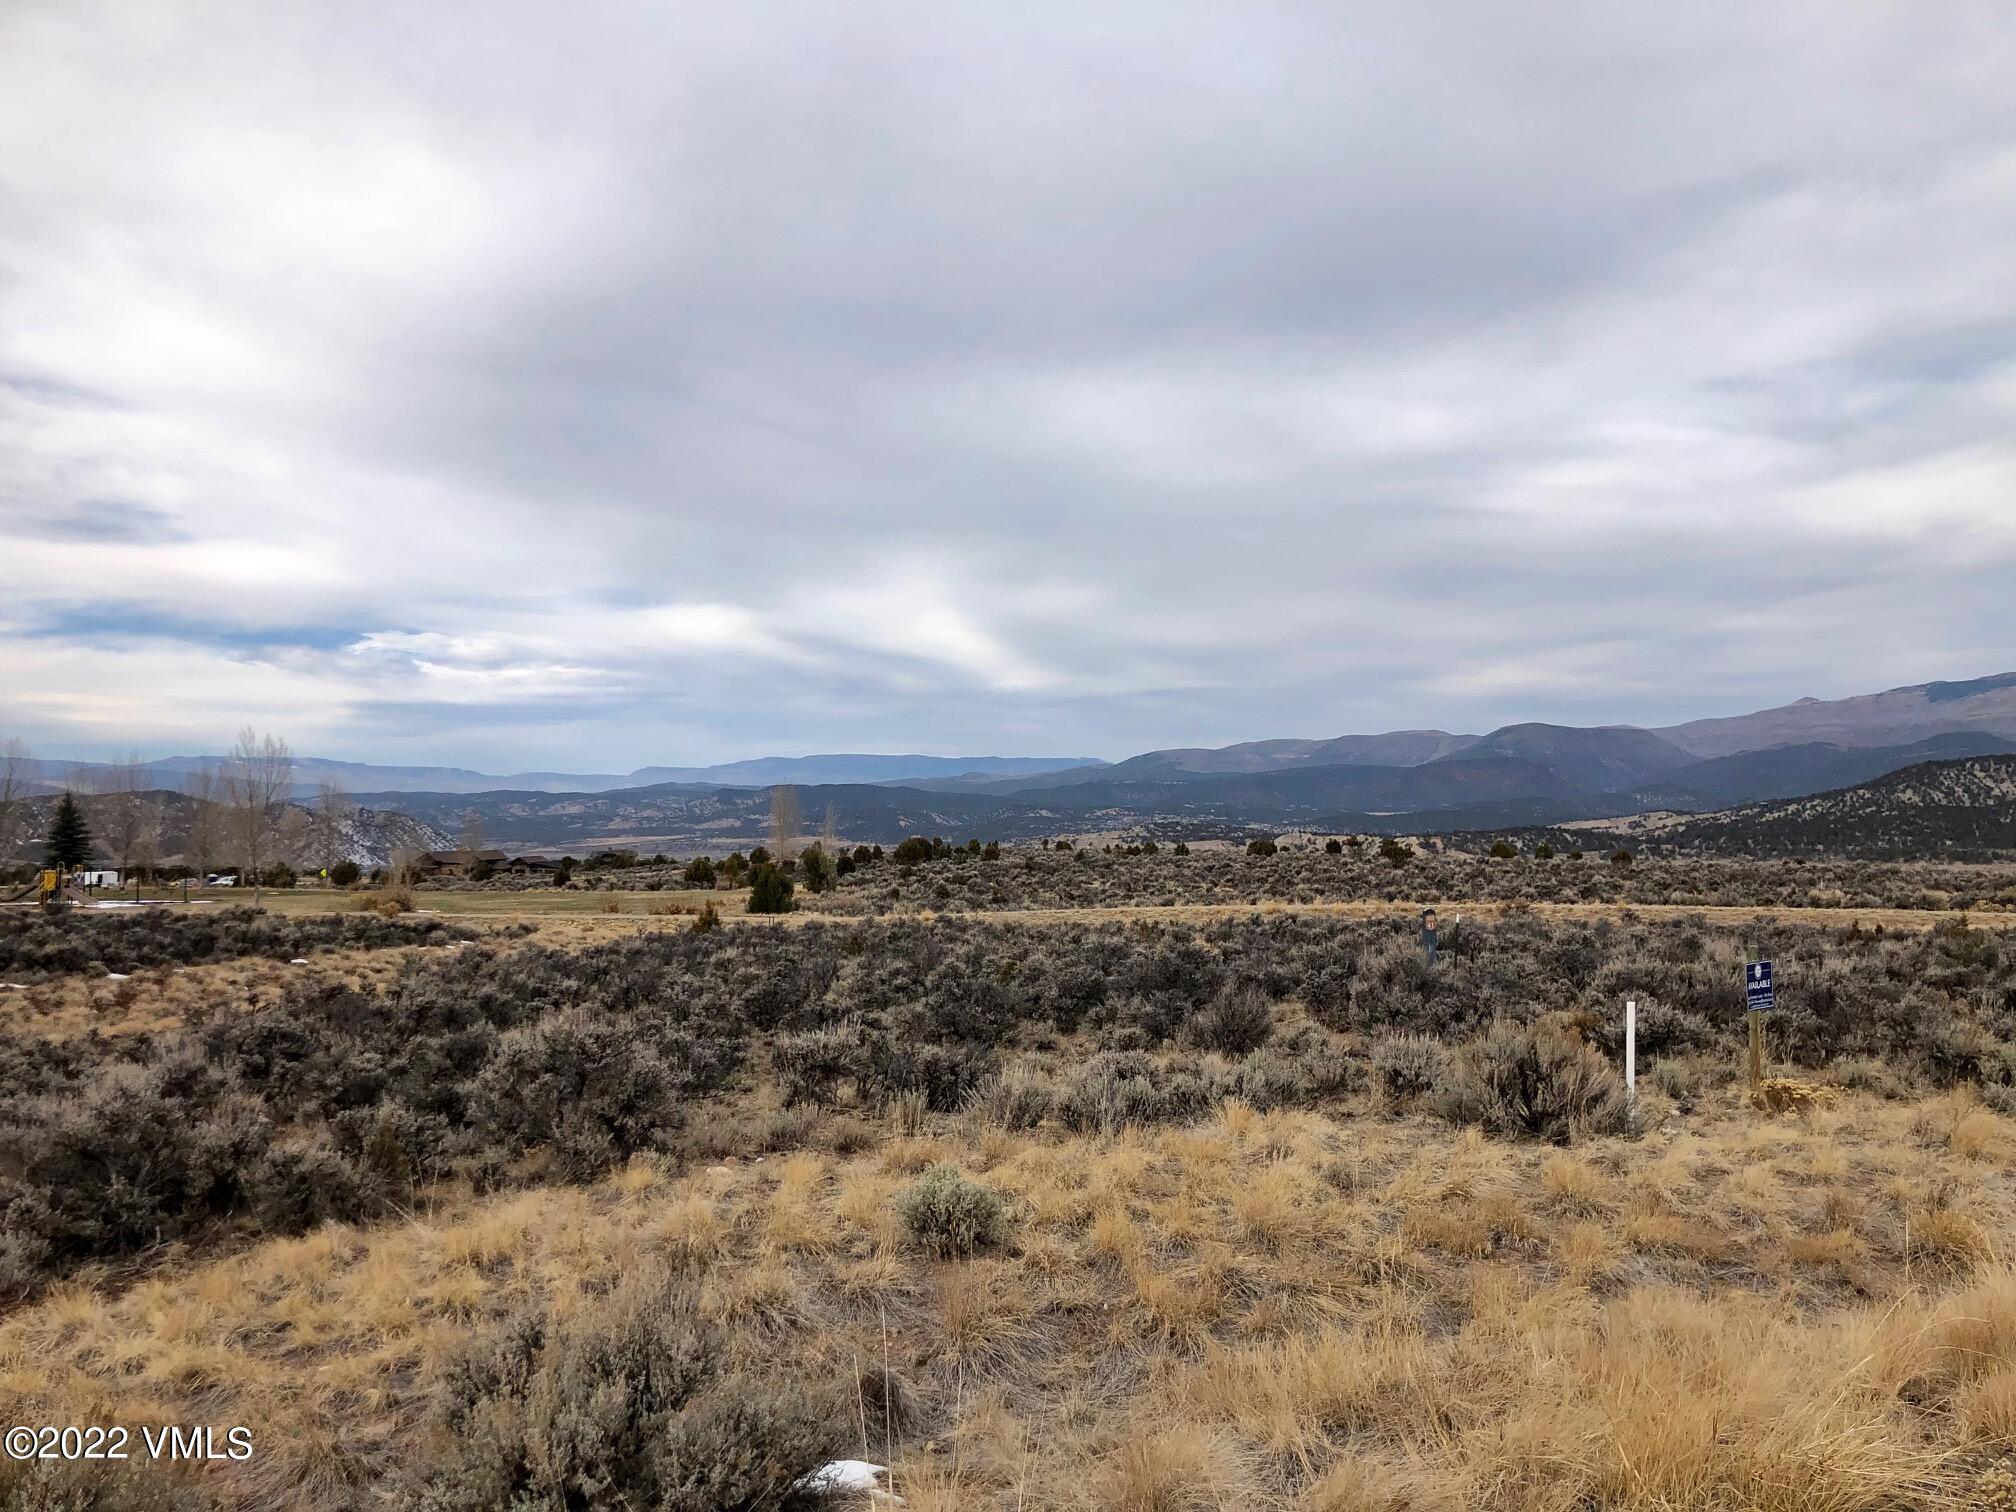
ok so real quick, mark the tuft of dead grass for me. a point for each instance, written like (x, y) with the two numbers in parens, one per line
(1175, 1471)
(1780, 1094)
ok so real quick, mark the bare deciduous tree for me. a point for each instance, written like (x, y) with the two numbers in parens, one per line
(783, 819)
(149, 821)
(204, 830)
(127, 815)
(332, 808)
(258, 777)
(17, 768)
(471, 841)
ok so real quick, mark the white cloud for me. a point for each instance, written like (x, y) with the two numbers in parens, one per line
(631, 385)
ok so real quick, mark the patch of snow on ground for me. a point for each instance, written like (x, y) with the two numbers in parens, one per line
(850, 1476)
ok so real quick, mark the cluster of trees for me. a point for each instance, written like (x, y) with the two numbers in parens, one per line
(243, 809)
(238, 814)
(1393, 852)
(125, 824)
(817, 867)
(917, 850)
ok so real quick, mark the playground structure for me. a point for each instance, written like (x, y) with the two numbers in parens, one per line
(51, 886)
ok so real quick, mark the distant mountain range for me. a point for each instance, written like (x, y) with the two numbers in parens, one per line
(1405, 781)
(360, 776)
(1395, 748)
(1901, 716)
(766, 771)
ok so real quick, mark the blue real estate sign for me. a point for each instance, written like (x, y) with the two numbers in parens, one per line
(1757, 986)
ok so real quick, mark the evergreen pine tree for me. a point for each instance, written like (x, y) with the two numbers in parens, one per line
(769, 891)
(69, 845)
(817, 868)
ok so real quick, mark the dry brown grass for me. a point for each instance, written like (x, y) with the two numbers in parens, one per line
(473, 905)
(1267, 1310)
(162, 997)
(586, 908)
(1784, 1094)
(386, 902)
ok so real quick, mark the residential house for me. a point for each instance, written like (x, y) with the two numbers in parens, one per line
(430, 866)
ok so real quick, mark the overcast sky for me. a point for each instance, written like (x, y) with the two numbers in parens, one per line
(588, 386)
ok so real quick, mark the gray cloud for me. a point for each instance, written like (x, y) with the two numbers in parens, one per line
(104, 520)
(652, 387)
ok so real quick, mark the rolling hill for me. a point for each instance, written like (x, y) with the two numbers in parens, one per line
(1945, 810)
(1614, 756)
(1394, 748)
(1789, 771)
(684, 817)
